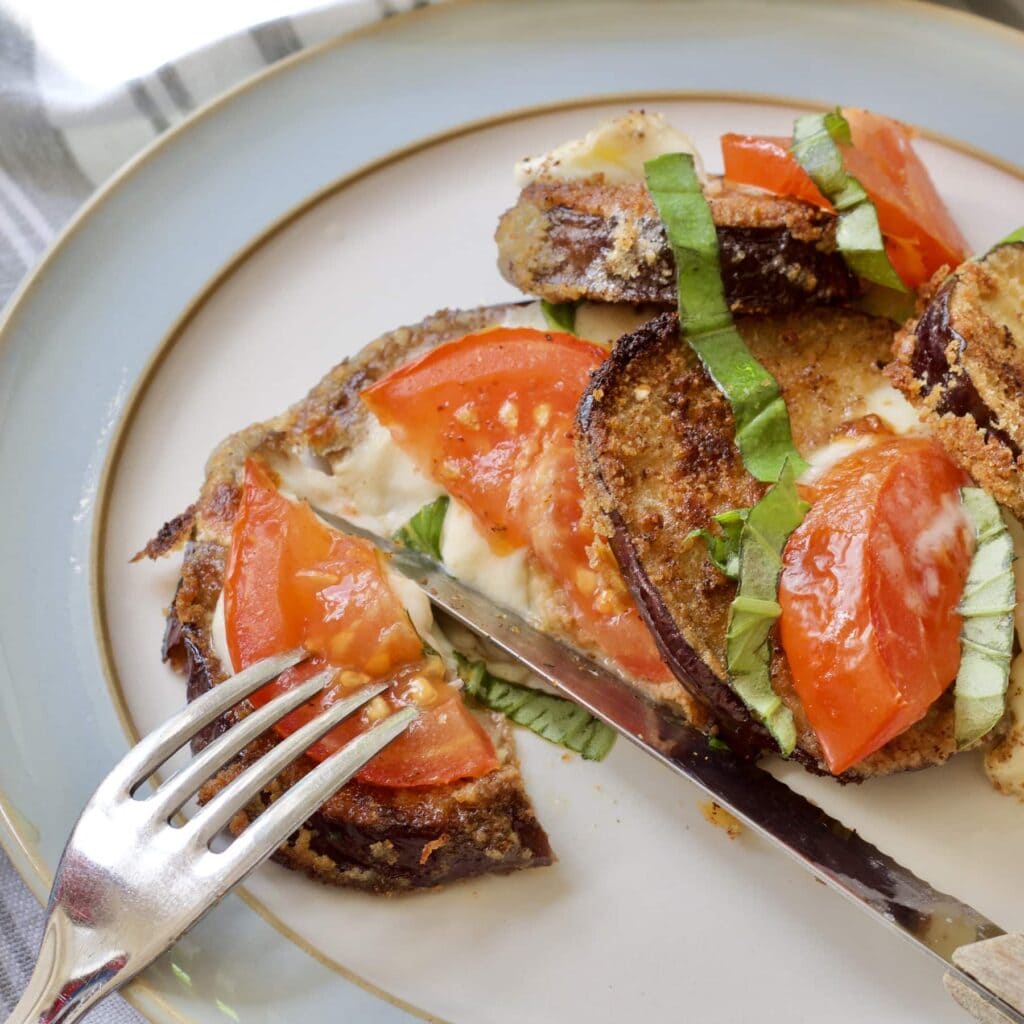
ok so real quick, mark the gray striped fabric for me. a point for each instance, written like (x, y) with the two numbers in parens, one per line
(62, 133)
(65, 127)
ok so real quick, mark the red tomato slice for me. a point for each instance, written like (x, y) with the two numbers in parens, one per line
(920, 234)
(883, 160)
(292, 581)
(870, 585)
(489, 417)
(764, 161)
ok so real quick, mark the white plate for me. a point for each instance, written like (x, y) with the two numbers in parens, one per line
(650, 911)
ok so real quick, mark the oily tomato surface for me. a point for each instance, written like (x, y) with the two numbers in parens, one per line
(490, 418)
(292, 581)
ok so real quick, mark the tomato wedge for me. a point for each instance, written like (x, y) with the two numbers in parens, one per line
(489, 417)
(292, 581)
(920, 235)
(764, 161)
(870, 585)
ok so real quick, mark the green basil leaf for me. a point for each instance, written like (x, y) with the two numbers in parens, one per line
(423, 532)
(838, 127)
(675, 188)
(878, 301)
(860, 240)
(1013, 236)
(755, 609)
(724, 547)
(815, 138)
(986, 636)
(554, 718)
(763, 432)
(559, 316)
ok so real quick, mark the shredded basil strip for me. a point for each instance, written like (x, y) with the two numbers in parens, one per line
(1013, 236)
(724, 547)
(423, 532)
(986, 637)
(554, 718)
(878, 301)
(815, 146)
(763, 433)
(754, 610)
(559, 316)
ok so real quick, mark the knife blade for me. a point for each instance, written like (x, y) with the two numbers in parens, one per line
(939, 924)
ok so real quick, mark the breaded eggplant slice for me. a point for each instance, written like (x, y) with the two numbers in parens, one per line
(656, 453)
(962, 365)
(606, 243)
(367, 837)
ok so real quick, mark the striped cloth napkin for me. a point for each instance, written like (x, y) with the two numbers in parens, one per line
(77, 100)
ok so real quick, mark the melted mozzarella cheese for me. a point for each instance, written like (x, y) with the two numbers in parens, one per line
(888, 405)
(606, 322)
(467, 555)
(1004, 764)
(219, 635)
(375, 484)
(617, 150)
(822, 459)
(891, 406)
(414, 601)
(529, 314)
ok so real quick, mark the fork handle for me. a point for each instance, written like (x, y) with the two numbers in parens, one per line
(999, 965)
(61, 989)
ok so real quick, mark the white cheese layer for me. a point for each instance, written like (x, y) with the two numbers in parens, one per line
(605, 322)
(467, 555)
(617, 150)
(891, 406)
(219, 635)
(888, 405)
(375, 484)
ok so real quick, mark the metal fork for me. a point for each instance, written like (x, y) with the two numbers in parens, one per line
(130, 883)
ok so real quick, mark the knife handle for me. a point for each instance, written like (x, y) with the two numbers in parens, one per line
(999, 965)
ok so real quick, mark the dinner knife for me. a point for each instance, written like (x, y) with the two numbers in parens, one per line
(984, 966)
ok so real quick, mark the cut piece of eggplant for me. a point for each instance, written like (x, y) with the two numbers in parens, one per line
(657, 459)
(368, 837)
(962, 365)
(587, 240)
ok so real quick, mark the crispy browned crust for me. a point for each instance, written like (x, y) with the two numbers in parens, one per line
(171, 536)
(367, 837)
(588, 240)
(961, 363)
(657, 459)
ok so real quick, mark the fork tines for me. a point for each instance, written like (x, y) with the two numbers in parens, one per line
(288, 812)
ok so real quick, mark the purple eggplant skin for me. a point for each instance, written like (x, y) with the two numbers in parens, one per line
(747, 737)
(605, 243)
(961, 364)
